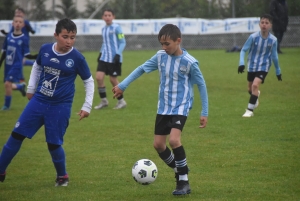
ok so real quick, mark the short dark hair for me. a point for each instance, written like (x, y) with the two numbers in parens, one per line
(67, 24)
(108, 10)
(169, 30)
(267, 16)
(21, 9)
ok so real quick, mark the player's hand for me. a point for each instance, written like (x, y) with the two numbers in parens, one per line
(241, 69)
(279, 77)
(98, 59)
(29, 95)
(117, 59)
(117, 91)
(203, 122)
(83, 114)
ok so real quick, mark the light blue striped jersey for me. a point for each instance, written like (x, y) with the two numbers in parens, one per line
(261, 53)
(177, 74)
(113, 43)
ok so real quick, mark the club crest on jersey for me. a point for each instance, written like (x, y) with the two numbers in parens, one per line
(20, 42)
(183, 69)
(17, 125)
(70, 63)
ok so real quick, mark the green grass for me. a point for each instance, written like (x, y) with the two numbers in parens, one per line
(233, 158)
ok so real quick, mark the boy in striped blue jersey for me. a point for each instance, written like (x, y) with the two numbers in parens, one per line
(178, 71)
(262, 47)
(110, 58)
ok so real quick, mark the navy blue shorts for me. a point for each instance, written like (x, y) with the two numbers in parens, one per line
(54, 118)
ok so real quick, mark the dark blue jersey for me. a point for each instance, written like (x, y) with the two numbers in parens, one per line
(58, 73)
(16, 47)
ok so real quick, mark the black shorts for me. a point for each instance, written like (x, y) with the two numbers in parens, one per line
(111, 69)
(164, 123)
(260, 74)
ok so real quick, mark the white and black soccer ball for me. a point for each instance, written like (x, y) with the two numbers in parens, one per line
(144, 171)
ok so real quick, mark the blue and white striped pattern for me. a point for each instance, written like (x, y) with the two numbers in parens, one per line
(261, 53)
(113, 42)
(169, 159)
(180, 164)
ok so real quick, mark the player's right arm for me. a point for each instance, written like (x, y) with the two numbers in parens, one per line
(33, 79)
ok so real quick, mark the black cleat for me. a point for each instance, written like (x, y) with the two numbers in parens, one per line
(62, 181)
(182, 188)
(2, 177)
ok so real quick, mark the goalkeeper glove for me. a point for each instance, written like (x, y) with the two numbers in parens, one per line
(279, 77)
(241, 69)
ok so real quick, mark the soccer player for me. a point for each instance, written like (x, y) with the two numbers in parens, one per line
(51, 91)
(15, 47)
(178, 72)
(262, 47)
(27, 28)
(110, 58)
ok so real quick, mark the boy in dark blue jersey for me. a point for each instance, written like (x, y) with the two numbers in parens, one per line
(51, 91)
(178, 72)
(15, 47)
(262, 46)
(27, 28)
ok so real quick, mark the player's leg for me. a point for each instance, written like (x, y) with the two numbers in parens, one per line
(100, 75)
(255, 81)
(8, 95)
(27, 125)
(55, 129)
(20, 87)
(114, 72)
(177, 124)
(9, 150)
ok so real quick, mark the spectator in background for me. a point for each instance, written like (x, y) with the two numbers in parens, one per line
(279, 12)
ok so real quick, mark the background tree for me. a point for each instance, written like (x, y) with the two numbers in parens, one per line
(90, 7)
(67, 9)
(7, 9)
(38, 11)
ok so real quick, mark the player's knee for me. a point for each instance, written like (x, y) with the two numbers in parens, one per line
(52, 147)
(174, 143)
(17, 136)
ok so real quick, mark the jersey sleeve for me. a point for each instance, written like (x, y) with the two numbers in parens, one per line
(121, 39)
(245, 48)
(83, 69)
(198, 79)
(275, 59)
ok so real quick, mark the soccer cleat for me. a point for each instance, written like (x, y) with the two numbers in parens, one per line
(257, 102)
(182, 188)
(103, 104)
(4, 108)
(23, 89)
(248, 113)
(2, 177)
(121, 104)
(62, 180)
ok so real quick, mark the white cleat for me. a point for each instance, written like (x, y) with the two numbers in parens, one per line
(257, 102)
(121, 104)
(103, 104)
(248, 113)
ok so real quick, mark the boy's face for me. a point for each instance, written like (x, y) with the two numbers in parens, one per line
(265, 25)
(108, 17)
(171, 47)
(18, 23)
(65, 40)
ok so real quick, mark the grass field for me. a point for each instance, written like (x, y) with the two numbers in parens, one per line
(233, 158)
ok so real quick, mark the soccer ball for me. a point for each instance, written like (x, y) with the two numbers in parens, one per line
(144, 171)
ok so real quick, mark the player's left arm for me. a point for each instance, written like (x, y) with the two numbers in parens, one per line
(275, 60)
(88, 81)
(29, 27)
(198, 79)
(121, 40)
